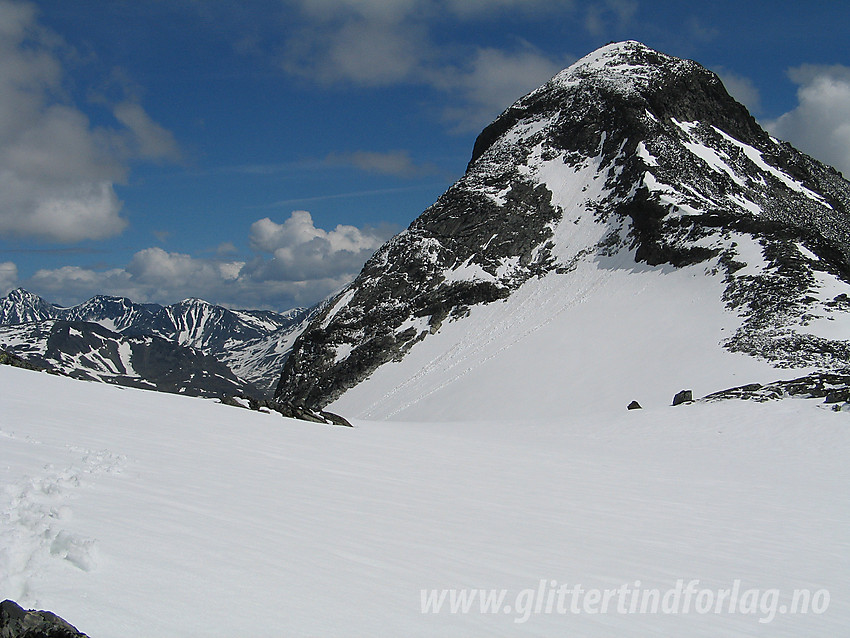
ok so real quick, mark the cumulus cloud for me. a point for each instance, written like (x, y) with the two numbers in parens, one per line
(158, 269)
(8, 276)
(820, 124)
(153, 275)
(57, 171)
(294, 263)
(73, 283)
(302, 252)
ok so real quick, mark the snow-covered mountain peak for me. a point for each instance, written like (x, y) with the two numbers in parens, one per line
(624, 66)
(194, 301)
(629, 164)
(22, 295)
(617, 95)
(114, 313)
(22, 306)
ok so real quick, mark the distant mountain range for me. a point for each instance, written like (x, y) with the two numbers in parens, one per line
(191, 347)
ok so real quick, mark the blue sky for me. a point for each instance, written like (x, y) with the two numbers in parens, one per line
(255, 154)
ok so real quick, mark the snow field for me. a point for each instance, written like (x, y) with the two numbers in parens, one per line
(133, 513)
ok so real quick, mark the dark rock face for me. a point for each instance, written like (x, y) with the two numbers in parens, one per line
(831, 387)
(629, 152)
(287, 410)
(9, 359)
(634, 405)
(16, 622)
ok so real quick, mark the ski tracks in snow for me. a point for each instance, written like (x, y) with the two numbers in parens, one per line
(36, 513)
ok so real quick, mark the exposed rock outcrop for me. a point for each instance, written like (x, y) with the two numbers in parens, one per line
(16, 622)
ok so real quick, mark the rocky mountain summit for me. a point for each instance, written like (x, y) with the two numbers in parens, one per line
(628, 161)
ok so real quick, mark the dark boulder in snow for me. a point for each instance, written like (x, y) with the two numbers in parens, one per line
(683, 396)
(634, 405)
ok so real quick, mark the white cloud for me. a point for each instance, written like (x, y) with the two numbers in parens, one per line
(479, 9)
(157, 268)
(57, 171)
(153, 275)
(295, 264)
(8, 276)
(302, 252)
(70, 279)
(600, 17)
(397, 10)
(381, 10)
(820, 124)
(226, 248)
(366, 43)
(65, 212)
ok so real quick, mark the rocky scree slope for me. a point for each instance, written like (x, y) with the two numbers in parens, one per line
(631, 153)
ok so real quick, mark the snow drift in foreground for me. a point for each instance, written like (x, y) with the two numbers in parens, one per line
(133, 513)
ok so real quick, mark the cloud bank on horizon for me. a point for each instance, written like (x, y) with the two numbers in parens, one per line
(95, 153)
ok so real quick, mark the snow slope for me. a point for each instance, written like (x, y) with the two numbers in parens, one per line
(134, 513)
(609, 332)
